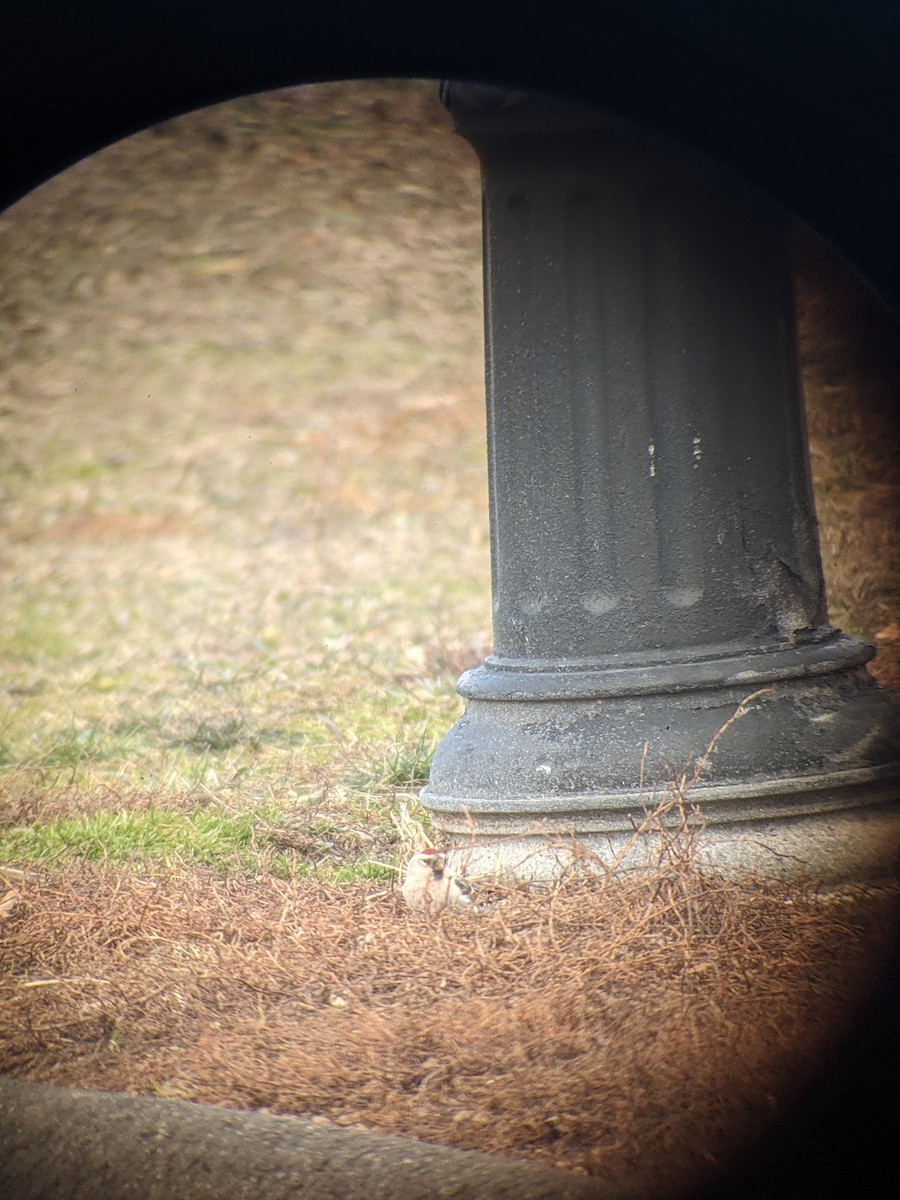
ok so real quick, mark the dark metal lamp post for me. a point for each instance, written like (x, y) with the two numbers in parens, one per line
(654, 549)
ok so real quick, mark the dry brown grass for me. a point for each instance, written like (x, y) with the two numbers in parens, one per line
(642, 1029)
(850, 355)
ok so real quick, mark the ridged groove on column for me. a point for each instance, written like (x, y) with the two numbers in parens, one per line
(511, 401)
(629, 421)
(799, 482)
(679, 385)
(776, 561)
(594, 518)
(558, 449)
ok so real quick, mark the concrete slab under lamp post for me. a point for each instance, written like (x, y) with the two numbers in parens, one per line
(654, 550)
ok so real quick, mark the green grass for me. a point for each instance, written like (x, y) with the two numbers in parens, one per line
(378, 738)
(78, 744)
(227, 841)
(392, 767)
(34, 638)
(212, 838)
(218, 733)
(243, 841)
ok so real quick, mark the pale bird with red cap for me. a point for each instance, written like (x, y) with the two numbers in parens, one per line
(429, 887)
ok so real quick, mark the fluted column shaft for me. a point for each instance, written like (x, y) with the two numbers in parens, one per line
(653, 538)
(648, 476)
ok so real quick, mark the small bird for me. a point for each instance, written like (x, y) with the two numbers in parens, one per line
(429, 887)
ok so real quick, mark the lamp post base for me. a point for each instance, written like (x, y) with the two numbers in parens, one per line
(834, 848)
(792, 776)
(659, 615)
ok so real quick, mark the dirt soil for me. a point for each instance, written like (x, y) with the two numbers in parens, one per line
(639, 1030)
